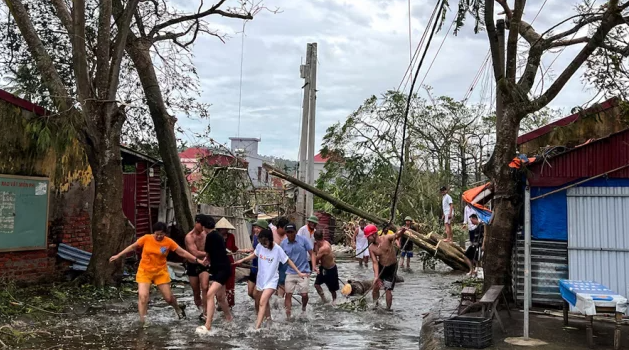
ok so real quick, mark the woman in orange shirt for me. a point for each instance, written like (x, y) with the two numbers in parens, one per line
(153, 268)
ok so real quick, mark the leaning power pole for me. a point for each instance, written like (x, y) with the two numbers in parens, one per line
(307, 142)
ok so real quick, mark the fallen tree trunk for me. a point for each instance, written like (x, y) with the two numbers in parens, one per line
(451, 254)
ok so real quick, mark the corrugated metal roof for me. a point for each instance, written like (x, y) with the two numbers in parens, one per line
(589, 160)
(598, 236)
(566, 120)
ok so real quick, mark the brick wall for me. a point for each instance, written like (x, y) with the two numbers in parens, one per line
(69, 223)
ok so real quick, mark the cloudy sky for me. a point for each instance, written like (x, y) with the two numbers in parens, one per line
(363, 50)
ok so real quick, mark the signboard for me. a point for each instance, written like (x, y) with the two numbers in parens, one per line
(23, 212)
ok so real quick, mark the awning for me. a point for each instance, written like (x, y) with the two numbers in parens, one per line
(477, 197)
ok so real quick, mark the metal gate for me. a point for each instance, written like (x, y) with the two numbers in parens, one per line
(598, 236)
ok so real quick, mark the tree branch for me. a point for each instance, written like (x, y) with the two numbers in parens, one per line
(79, 53)
(506, 8)
(123, 23)
(569, 42)
(512, 42)
(611, 19)
(200, 14)
(492, 35)
(621, 51)
(43, 61)
(103, 41)
(64, 14)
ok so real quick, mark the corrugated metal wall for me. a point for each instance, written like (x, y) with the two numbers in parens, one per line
(549, 264)
(236, 218)
(598, 236)
(128, 197)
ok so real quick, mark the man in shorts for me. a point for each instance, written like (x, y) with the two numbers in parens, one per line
(406, 245)
(299, 251)
(448, 212)
(198, 274)
(384, 260)
(328, 272)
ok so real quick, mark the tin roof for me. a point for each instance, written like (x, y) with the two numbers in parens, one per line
(588, 160)
(566, 121)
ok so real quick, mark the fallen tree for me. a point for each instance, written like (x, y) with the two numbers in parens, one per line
(451, 254)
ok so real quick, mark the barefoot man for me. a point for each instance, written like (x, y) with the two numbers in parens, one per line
(448, 212)
(198, 274)
(384, 260)
(220, 269)
(328, 273)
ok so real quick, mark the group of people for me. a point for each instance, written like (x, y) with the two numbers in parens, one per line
(282, 259)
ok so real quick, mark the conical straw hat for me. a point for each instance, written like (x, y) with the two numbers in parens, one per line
(223, 223)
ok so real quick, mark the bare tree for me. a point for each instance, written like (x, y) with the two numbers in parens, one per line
(97, 114)
(519, 101)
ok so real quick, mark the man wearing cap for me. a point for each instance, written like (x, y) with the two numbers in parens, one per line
(308, 230)
(198, 274)
(384, 260)
(258, 226)
(448, 212)
(406, 245)
(299, 251)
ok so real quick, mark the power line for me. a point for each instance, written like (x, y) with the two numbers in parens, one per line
(437, 53)
(415, 55)
(408, 106)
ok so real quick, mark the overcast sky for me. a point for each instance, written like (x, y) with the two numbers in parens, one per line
(363, 50)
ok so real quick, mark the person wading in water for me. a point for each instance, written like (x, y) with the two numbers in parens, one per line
(328, 272)
(360, 244)
(198, 274)
(269, 257)
(220, 271)
(153, 268)
(384, 260)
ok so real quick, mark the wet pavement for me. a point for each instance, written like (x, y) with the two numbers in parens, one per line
(321, 327)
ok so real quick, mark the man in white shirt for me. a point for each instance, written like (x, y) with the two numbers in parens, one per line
(308, 230)
(448, 212)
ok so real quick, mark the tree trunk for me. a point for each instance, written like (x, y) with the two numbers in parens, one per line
(109, 233)
(452, 255)
(501, 231)
(164, 125)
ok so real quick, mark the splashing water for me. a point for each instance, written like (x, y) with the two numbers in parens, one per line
(321, 326)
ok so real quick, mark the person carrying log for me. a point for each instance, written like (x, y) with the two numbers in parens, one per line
(328, 272)
(384, 259)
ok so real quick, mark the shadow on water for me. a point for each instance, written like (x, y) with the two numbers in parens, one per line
(321, 327)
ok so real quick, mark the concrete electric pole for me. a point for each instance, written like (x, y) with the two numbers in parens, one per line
(307, 143)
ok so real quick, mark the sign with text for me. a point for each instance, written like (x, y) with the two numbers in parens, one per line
(23, 212)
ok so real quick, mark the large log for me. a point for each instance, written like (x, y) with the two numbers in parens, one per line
(451, 254)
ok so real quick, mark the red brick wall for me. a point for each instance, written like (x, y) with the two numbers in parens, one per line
(70, 224)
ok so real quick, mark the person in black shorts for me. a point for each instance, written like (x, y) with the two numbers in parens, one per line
(328, 272)
(220, 270)
(474, 252)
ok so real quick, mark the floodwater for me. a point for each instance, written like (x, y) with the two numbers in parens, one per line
(321, 327)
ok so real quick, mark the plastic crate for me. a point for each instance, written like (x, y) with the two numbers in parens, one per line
(468, 332)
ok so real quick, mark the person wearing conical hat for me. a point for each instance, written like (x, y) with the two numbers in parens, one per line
(224, 226)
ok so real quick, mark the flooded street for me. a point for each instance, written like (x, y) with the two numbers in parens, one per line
(322, 327)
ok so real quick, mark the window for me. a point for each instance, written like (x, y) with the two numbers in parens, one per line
(259, 173)
(266, 176)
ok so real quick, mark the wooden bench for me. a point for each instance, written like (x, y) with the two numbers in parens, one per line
(490, 302)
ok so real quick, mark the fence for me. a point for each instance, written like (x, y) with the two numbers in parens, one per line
(236, 218)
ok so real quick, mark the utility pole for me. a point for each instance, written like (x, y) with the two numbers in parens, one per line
(303, 144)
(311, 126)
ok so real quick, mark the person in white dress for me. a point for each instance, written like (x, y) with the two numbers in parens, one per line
(269, 255)
(361, 245)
